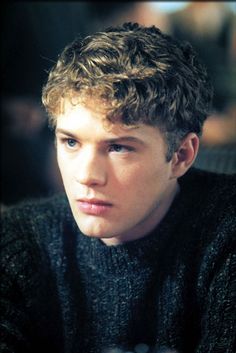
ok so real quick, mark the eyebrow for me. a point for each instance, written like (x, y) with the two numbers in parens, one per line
(110, 140)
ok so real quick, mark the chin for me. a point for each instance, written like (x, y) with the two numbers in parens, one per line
(95, 232)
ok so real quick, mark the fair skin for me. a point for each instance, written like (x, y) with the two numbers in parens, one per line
(117, 180)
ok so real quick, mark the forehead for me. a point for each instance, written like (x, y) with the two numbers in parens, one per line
(90, 121)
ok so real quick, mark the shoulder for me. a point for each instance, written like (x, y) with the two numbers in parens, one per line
(221, 184)
(209, 224)
(211, 192)
(34, 212)
(29, 207)
(27, 279)
(26, 226)
(211, 212)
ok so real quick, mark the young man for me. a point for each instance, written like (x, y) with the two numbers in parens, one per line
(138, 256)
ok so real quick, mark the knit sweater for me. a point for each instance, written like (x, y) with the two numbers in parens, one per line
(174, 289)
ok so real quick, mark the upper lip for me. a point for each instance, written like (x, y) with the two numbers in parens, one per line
(95, 201)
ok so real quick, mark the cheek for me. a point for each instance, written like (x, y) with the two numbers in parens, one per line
(142, 175)
(140, 185)
(60, 160)
(125, 179)
(65, 168)
(64, 162)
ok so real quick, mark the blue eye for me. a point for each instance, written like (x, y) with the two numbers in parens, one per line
(70, 142)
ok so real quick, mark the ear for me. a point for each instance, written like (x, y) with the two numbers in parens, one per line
(184, 157)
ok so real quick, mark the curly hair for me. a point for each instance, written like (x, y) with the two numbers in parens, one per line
(140, 75)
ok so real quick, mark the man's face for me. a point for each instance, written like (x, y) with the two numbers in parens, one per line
(117, 180)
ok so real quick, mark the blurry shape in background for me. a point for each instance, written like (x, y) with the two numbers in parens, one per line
(167, 6)
(28, 163)
(104, 14)
(211, 28)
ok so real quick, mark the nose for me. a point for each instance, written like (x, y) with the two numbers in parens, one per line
(91, 169)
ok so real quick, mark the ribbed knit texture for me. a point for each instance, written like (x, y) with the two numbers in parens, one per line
(63, 292)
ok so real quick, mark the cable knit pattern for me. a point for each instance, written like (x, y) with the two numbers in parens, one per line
(171, 291)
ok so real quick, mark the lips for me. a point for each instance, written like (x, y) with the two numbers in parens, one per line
(93, 206)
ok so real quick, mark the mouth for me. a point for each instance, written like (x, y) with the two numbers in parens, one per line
(94, 207)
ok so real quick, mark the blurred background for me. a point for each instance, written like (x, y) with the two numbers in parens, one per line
(34, 33)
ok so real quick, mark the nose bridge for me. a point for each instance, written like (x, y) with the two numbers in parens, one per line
(90, 167)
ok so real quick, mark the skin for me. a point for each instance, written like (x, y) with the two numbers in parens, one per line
(124, 166)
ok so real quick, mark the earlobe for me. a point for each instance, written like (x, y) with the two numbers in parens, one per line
(185, 156)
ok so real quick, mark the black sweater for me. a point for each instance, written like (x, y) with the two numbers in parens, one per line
(63, 292)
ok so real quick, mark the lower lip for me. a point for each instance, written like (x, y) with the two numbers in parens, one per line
(93, 208)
